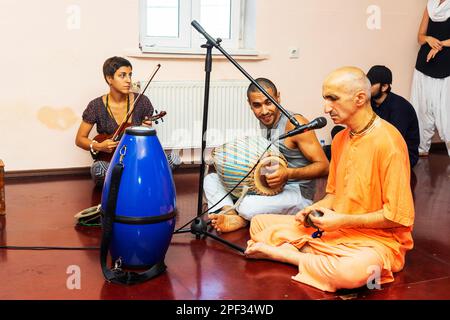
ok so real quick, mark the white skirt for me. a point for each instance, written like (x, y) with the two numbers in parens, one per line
(431, 100)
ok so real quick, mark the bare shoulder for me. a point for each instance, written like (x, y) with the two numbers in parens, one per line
(301, 119)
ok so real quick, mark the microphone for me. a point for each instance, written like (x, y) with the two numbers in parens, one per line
(200, 29)
(315, 124)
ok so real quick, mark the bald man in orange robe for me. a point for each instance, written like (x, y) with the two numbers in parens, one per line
(368, 210)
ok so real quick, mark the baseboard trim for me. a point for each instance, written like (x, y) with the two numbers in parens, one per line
(43, 173)
(66, 172)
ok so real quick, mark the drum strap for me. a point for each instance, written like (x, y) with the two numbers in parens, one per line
(117, 275)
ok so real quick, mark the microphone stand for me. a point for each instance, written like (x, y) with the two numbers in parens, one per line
(199, 226)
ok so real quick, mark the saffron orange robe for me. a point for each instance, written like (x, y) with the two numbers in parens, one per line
(367, 173)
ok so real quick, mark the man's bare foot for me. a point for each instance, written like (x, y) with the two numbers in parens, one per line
(257, 250)
(283, 253)
(227, 222)
(285, 245)
(250, 243)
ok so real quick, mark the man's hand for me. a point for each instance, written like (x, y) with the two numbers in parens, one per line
(301, 215)
(330, 221)
(276, 176)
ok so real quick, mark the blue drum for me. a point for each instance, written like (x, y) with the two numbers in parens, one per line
(144, 218)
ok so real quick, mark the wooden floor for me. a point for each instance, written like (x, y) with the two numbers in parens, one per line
(40, 213)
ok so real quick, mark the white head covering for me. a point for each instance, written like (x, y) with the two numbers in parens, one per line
(438, 13)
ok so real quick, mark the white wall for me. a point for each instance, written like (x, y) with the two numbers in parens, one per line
(49, 72)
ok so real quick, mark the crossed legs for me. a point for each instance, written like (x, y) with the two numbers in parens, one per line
(320, 265)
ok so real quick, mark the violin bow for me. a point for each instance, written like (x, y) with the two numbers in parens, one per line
(130, 112)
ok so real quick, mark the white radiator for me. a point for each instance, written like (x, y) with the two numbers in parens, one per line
(229, 115)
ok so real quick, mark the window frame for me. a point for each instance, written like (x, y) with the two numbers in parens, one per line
(235, 26)
(189, 40)
(181, 41)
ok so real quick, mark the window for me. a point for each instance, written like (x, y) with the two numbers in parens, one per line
(165, 25)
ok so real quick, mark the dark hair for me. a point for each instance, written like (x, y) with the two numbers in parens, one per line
(379, 74)
(388, 89)
(112, 64)
(263, 82)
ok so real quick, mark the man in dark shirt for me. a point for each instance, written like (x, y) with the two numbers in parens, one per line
(394, 109)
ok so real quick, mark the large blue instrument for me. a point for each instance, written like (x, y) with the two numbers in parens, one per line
(138, 203)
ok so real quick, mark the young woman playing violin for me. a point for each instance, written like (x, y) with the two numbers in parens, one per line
(109, 110)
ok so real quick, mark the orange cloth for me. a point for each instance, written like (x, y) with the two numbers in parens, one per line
(367, 173)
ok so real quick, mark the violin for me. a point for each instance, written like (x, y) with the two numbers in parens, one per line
(116, 136)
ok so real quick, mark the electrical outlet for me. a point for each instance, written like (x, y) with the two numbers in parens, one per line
(293, 52)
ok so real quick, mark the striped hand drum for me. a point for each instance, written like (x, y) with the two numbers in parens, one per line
(233, 160)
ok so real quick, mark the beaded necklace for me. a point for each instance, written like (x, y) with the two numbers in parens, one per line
(366, 128)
